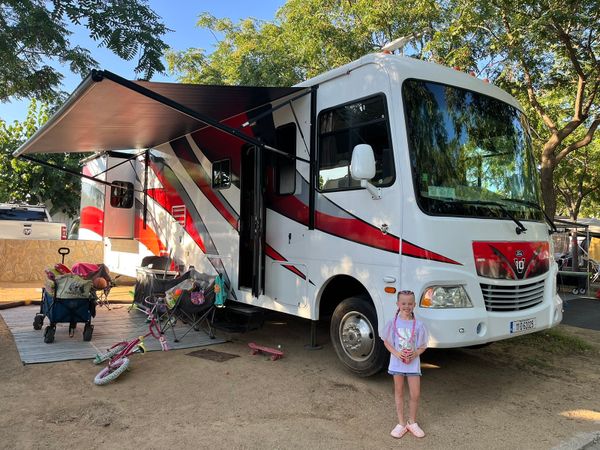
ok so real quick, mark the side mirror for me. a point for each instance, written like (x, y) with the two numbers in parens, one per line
(362, 167)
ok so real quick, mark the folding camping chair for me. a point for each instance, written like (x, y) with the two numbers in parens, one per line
(193, 302)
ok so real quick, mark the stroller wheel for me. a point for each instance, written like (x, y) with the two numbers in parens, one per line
(38, 321)
(49, 334)
(88, 329)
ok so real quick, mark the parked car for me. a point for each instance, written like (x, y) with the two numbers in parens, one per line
(21, 221)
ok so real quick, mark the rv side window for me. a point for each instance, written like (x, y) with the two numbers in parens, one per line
(221, 174)
(285, 168)
(121, 194)
(341, 129)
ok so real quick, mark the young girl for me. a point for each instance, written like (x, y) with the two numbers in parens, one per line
(406, 338)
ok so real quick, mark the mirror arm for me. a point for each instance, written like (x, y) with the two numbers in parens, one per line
(374, 191)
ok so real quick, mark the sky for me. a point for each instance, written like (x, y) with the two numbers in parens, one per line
(178, 15)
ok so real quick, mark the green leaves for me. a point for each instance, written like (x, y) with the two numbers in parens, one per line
(33, 33)
(306, 38)
(33, 183)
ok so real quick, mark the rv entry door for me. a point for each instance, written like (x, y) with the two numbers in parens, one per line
(252, 221)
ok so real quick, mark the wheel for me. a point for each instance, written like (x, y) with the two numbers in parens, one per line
(354, 336)
(49, 334)
(38, 321)
(107, 375)
(101, 357)
(582, 291)
(88, 329)
(575, 291)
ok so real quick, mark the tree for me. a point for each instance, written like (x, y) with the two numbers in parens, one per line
(22, 181)
(578, 180)
(34, 34)
(306, 38)
(545, 52)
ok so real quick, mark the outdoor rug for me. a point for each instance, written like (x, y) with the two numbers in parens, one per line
(110, 327)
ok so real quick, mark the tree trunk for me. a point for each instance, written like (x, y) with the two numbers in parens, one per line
(547, 179)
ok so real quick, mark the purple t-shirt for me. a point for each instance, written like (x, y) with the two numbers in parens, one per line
(399, 334)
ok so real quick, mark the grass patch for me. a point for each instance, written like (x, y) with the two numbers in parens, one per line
(536, 362)
(554, 341)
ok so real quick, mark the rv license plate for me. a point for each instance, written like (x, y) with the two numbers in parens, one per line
(518, 326)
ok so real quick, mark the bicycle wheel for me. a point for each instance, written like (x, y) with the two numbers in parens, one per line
(105, 376)
(101, 357)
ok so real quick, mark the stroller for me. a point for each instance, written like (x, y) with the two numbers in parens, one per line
(67, 298)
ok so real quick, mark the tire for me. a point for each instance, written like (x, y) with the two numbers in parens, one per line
(354, 336)
(105, 376)
(49, 334)
(574, 291)
(88, 330)
(38, 321)
(101, 357)
(582, 291)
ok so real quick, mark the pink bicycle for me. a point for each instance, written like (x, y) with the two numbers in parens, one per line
(118, 355)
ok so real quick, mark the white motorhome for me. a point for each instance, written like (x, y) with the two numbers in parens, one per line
(325, 199)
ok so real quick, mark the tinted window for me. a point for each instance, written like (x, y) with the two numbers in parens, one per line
(24, 215)
(121, 194)
(344, 127)
(466, 148)
(285, 168)
(221, 174)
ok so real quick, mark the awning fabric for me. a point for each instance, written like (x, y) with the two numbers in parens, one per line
(105, 115)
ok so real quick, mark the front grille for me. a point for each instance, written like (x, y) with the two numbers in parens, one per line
(512, 298)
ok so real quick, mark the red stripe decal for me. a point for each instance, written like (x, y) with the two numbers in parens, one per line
(271, 253)
(191, 164)
(216, 144)
(87, 171)
(168, 198)
(414, 251)
(92, 218)
(148, 237)
(350, 228)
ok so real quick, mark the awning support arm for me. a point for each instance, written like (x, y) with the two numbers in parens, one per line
(127, 159)
(313, 158)
(71, 172)
(99, 75)
(269, 111)
(146, 164)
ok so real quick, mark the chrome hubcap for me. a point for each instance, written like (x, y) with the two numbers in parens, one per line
(357, 336)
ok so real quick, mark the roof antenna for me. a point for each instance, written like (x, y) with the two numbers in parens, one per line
(400, 43)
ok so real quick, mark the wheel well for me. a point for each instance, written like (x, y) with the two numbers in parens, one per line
(338, 289)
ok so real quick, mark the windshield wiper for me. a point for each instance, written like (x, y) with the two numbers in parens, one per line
(520, 227)
(553, 228)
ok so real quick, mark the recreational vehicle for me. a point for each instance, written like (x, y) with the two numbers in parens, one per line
(325, 199)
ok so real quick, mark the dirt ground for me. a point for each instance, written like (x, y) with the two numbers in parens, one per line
(525, 394)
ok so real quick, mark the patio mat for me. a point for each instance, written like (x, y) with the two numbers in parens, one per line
(211, 355)
(110, 327)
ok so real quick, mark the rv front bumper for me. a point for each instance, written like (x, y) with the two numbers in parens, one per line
(463, 327)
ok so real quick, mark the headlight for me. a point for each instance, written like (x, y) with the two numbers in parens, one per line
(445, 297)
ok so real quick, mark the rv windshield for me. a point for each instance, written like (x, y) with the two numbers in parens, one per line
(467, 150)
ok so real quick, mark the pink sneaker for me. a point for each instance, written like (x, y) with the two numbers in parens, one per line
(415, 429)
(398, 431)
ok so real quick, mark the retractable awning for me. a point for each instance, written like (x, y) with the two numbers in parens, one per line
(107, 112)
